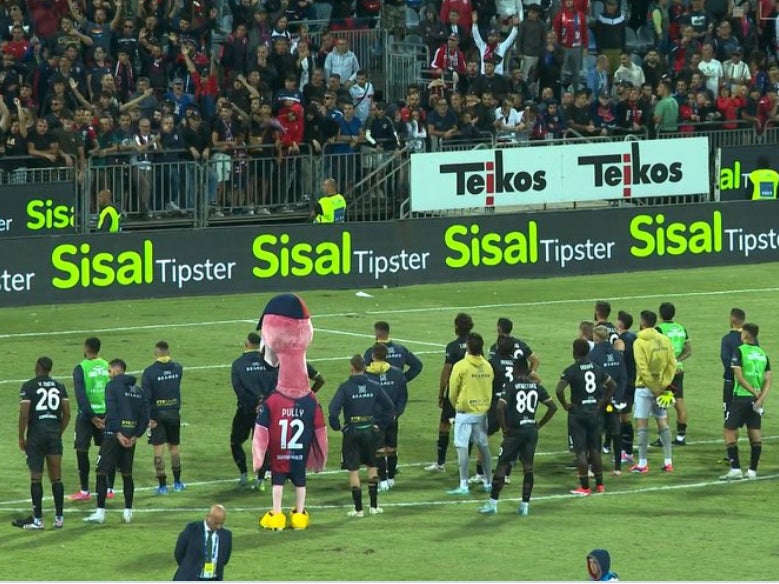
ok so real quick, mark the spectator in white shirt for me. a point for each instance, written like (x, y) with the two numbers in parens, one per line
(342, 61)
(628, 71)
(736, 71)
(711, 69)
(508, 121)
(362, 96)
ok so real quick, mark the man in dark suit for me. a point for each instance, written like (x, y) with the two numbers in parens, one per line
(203, 548)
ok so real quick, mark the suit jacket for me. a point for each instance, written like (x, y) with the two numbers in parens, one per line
(190, 552)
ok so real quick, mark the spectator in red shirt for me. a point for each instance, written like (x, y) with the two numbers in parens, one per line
(570, 26)
(18, 46)
(728, 107)
(449, 58)
(767, 109)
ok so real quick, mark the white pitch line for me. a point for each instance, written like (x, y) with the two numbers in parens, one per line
(339, 471)
(367, 336)
(548, 302)
(122, 329)
(440, 503)
(228, 365)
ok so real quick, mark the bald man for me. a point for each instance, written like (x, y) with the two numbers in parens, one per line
(203, 548)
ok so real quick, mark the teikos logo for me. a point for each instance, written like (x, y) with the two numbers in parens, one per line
(280, 255)
(627, 169)
(491, 178)
(44, 214)
(85, 266)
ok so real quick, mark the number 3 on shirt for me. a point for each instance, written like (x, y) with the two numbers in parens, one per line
(297, 427)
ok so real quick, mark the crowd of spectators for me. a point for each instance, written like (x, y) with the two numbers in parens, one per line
(270, 99)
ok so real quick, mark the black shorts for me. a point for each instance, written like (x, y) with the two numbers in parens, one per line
(297, 477)
(115, 456)
(492, 418)
(740, 413)
(167, 430)
(388, 437)
(86, 433)
(521, 444)
(359, 447)
(727, 393)
(243, 425)
(447, 411)
(586, 428)
(41, 444)
(630, 398)
(678, 383)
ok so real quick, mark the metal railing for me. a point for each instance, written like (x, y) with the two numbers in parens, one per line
(378, 195)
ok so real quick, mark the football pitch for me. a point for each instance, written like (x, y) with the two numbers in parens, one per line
(682, 526)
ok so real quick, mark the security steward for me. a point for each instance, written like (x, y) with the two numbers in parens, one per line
(331, 207)
(109, 219)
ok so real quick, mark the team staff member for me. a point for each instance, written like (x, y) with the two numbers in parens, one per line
(367, 409)
(397, 355)
(682, 349)
(203, 549)
(611, 361)
(752, 373)
(628, 337)
(521, 348)
(728, 347)
(591, 389)
(455, 351)
(331, 207)
(601, 315)
(393, 382)
(161, 381)
(40, 438)
(655, 370)
(253, 379)
(516, 413)
(90, 378)
(109, 220)
(127, 417)
(470, 393)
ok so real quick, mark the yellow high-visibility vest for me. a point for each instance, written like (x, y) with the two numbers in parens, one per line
(109, 220)
(333, 209)
(765, 182)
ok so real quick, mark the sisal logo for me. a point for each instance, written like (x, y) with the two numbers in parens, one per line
(628, 170)
(491, 178)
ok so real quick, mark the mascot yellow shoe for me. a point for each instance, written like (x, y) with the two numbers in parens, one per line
(274, 521)
(299, 520)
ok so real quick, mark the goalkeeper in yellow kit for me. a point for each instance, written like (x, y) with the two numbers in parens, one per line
(655, 370)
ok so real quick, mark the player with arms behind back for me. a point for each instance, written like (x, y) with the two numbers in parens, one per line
(44, 413)
(588, 402)
(516, 413)
(397, 355)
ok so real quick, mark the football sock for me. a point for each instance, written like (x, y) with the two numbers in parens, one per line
(462, 461)
(239, 456)
(159, 467)
(111, 479)
(681, 429)
(479, 468)
(616, 446)
(443, 446)
(757, 448)
(58, 492)
(665, 438)
(584, 482)
(643, 445)
(102, 490)
(527, 486)
(162, 480)
(508, 470)
(486, 458)
(381, 463)
(598, 479)
(497, 487)
(129, 490)
(373, 492)
(392, 464)
(357, 498)
(733, 456)
(83, 469)
(175, 463)
(36, 492)
(627, 437)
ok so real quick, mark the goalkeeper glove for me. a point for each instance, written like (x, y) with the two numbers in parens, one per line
(666, 399)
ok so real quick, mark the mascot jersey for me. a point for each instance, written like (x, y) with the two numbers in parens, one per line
(292, 424)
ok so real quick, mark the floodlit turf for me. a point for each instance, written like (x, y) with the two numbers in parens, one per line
(684, 526)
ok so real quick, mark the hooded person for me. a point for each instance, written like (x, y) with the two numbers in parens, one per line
(290, 425)
(599, 566)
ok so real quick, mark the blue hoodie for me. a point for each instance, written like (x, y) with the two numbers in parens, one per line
(604, 562)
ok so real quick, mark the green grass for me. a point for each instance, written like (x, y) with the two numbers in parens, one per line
(685, 526)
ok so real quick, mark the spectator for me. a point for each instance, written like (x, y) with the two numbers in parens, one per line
(603, 115)
(711, 69)
(393, 18)
(724, 42)
(326, 44)
(659, 22)
(196, 142)
(609, 31)
(630, 117)
(347, 143)
(684, 48)
(289, 93)
(570, 27)
(530, 44)
(416, 130)
(496, 84)
(701, 21)
(142, 170)
(259, 31)
(550, 64)
(728, 107)
(549, 125)
(315, 88)
(432, 29)
(464, 10)
(442, 122)
(282, 60)
(493, 48)
(654, 69)
(735, 71)
(362, 93)
(518, 86)
(485, 113)
(666, 113)
(343, 62)
(181, 100)
(168, 180)
(598, 76)
(629, 71)
(449, 59)
(43, 146)
(508, 121)
(581, 118)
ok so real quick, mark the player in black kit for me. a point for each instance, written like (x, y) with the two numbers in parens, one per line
(253, 379)
(126, 420)
(521, 348)
(367, 410)
(601, 316)
(40, 437)
(393, 382)
(588, 401)
(728, 348)
(455, 351)
(397, 355)
(516, 413)
(162, 383)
